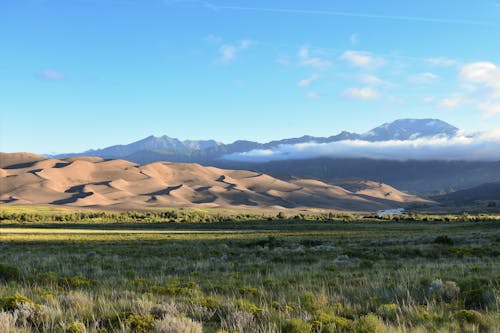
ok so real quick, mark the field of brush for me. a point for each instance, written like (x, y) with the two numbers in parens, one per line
(270, 275)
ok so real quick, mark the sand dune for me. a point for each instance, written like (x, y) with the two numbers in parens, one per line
(93, 182)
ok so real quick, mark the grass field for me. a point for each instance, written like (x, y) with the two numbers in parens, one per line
(252, 276)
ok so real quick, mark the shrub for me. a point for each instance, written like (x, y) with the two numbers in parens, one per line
(76, 327)
(443, 239)
(472, 317)
(365, 263)
(388, 311)
(9, 303)
(446, 291)
(176, 287)
(477, 293)
(75, 282)
(9, 273)
(249, 291)
(46, 278)
(172, 324)
(368, 324)
(76, 301)
(296, 325)
(248, 306)
(165, 309)
(140, 323)
(29, 313)
(337, 324)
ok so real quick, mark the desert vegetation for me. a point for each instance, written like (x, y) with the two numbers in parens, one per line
(286, 274)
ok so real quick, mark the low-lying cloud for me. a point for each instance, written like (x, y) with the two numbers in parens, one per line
(479, 147)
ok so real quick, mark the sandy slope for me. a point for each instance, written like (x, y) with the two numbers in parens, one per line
(93, 182)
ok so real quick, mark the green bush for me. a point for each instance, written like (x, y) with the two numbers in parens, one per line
(368, 324)
(476, 293)
(443, 239)
(9, 303)
(9, 273)
(75, 282)
(388, 311)
(472, 317)
(296, 325)
(140, 323)
(46, 278)
(248, 306)
(336, 325)
(76, 327)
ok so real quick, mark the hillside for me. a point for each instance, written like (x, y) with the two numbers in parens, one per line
(94, 182)
(483, 192)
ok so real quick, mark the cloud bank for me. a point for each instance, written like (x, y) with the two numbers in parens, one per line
(479, 147)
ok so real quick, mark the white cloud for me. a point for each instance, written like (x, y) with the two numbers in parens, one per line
(480, 147)
(429, 99)
(303, 52)
(483, 73)
(372, 80)
(228, 52)
(365, 93)
(361, 59)
(490, 108)
(307, 82)
(312, 95)
(307, 60)
(483, 82)
(245, 44)
(452, 102)
(442, 61)
(423, 78)
(316, 62)
(50, 75)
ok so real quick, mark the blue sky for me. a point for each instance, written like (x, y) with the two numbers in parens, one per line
(81, 74)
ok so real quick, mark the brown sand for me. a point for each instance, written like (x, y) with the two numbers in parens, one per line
(93, 182)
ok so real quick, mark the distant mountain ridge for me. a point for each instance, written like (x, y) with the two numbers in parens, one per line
(425, 177)
(154, 148)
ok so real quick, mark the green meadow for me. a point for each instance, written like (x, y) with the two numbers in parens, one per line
(113, 272)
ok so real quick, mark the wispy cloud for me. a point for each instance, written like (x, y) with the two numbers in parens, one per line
(312, 95)
(423, 78)
(365, 93)
(361, 59)
(363, 15)
(306, 59)
(372, 80)
(228, 52)
(442, 61)
(50, 75)
(452, 102)
(308, 81)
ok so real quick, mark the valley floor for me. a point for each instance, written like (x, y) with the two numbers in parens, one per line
(261, 276)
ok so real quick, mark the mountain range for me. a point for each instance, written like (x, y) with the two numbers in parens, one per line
(431, 176)
(153, 148)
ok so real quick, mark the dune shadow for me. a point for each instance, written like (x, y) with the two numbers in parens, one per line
(72, 199)
(165, 191)
(20, 165)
